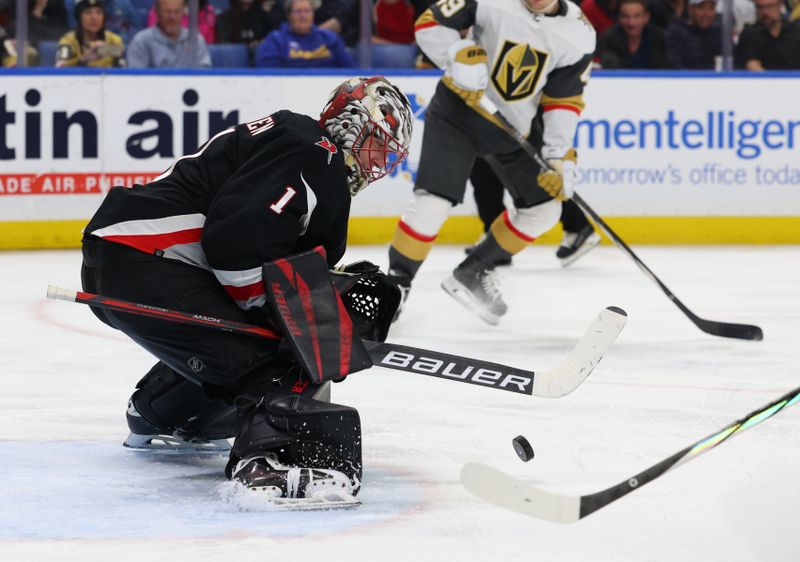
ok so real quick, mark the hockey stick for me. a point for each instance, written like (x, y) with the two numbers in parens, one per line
(505, 491)
(549, 384)
(713, 327)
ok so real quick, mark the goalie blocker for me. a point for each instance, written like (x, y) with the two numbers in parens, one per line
(317, 318)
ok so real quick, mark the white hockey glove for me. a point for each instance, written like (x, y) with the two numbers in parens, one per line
(559, 181)
(467, 73)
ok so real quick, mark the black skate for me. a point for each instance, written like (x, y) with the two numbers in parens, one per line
(499, 262)
(403, 282)
(295, 488)
(144, 437)
(576, 244)
(474, 285)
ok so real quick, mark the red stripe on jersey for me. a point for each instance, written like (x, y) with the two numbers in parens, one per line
(414, 234)
(424, 25)
(513, 229)
(245, 292)
(566, 107)
(149, 243)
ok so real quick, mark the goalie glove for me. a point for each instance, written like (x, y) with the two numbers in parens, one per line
(467, 73)
(370, 297)
(559, 180)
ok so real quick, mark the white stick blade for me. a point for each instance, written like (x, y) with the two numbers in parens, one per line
(584, 358)
(503, 490)
(58, 293)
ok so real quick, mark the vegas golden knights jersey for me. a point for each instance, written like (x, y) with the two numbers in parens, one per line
(537, 63)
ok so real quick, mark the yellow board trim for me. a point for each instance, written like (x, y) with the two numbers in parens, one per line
(36, 235)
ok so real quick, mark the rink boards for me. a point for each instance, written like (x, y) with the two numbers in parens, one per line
(667, 158)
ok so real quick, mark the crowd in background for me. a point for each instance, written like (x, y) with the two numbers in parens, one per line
(632, 34)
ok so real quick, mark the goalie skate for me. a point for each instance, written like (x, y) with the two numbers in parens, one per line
(177, 445)
(264, 478)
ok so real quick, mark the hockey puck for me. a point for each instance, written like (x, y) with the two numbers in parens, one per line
(522, 448)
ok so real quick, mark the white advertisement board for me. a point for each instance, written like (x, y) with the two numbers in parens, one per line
(673, 146)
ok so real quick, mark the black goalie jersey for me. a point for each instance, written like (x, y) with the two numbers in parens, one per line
(252, 194)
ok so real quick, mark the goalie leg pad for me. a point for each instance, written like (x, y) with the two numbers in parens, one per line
(301, 431)
(167, 403)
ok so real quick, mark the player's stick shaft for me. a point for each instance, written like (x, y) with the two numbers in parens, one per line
(713, 327)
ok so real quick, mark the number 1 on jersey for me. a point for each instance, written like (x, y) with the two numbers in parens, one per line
(278, 206)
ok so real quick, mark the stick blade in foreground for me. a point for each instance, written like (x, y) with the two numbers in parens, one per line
(584, 358)
(503, 490)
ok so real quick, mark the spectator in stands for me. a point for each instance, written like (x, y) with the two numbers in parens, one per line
(273, 9)
(206, 20)
(633, 42)
(167, 44)
(744, 13)
(393, 22)
(601, 13)
(696, 43)
(121, 19)
(8, 51)
(301, 44)
(771, 43)
(47, 21)
(90, 44)
(244, 22)
(662, 12)
(332, 15)
(5, 14)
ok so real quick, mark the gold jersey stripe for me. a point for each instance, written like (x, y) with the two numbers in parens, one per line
(410, 247)
(507, 238)
(426, 19)
(574, 101)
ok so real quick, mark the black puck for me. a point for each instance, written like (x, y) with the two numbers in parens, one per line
(522, 448)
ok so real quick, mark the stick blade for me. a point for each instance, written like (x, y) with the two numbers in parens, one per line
(503, 490)
(579, 364)
(731, 330)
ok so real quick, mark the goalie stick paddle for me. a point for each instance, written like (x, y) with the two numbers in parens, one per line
(560, 381)
(508, 492)
(713, 327)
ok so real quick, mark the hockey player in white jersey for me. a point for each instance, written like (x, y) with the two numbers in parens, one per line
(532, 59)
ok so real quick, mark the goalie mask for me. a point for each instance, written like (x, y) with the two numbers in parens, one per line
(370, 119)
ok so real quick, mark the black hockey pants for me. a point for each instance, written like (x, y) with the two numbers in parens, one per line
(277, 410)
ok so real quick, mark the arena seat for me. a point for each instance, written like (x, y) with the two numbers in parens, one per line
(229, 56)
(47, 53)
(394, 56)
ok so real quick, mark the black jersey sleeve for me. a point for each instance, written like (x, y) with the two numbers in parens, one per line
(455, 14)
(565, 85)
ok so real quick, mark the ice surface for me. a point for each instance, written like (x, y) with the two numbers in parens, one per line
(69, 491)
